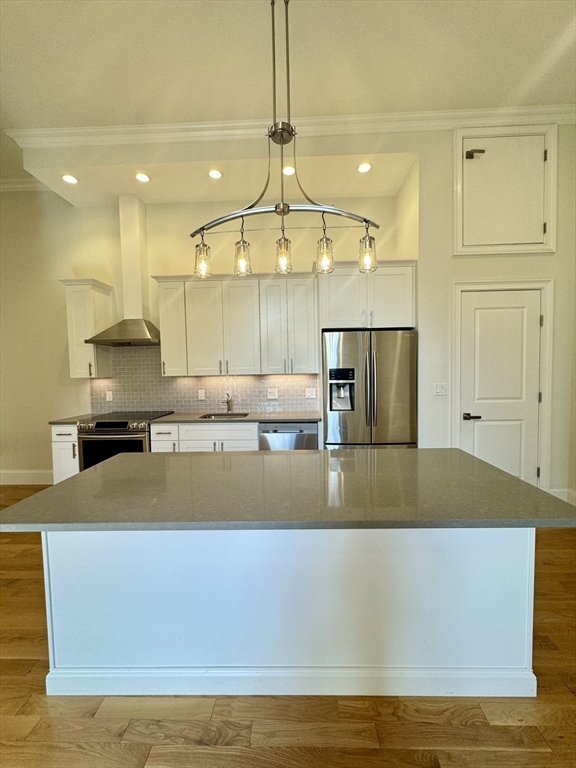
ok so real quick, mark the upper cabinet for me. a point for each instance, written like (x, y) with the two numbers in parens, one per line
(505, 190)
(89, 311)
(209, 328)
(288, 328)
(172, 311)
(381, 299)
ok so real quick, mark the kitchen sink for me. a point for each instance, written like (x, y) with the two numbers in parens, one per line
(224, 416)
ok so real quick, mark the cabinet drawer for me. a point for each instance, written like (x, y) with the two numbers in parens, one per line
(65, 433)
(219, 431)
(164, 431)
(188, 446)
(164, 446)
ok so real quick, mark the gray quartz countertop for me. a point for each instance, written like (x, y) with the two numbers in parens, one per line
(259, 416)
(364, 488)
(71, 419)
(189, 416)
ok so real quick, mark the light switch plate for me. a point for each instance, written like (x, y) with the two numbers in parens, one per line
(439, 390)
(272, 394)
(310, 392)
(201, 394)
(109, 395)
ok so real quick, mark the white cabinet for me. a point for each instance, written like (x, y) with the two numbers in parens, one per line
(241, 325)
(65, 461)
(88, 311)
(209, 327)
(219, 437)
(505, 190)
(164, 438)
(170, 438)
(172, 310)
(288, 333)
(382, 299)
(223, 327)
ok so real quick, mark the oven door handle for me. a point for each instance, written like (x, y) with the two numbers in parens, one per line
(126, 436)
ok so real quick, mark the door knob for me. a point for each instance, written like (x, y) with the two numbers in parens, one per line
(468, 417)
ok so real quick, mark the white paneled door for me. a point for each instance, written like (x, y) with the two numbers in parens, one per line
(500, 379)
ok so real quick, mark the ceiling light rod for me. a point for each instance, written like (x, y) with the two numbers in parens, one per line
(283, 132)
(272, 209)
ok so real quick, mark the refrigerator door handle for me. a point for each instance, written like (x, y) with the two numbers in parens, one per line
(374, 391)
(368, 403)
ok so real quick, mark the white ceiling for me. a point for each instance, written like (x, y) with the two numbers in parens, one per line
(66, 63)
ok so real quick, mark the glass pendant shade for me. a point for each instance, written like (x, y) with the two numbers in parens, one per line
(324, 256)
(203, 264)
(367, 256)
(283, 256)
(242, 266)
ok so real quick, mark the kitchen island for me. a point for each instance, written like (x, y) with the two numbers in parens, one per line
(367, 572)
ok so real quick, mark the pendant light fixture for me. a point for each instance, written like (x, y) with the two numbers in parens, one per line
(282, 132)
(367, 256)
(203, 265)
(324, 253)
(242, 266)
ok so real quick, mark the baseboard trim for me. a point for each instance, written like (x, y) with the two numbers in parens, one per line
(26, 477)
(566, 494)
(302, 681)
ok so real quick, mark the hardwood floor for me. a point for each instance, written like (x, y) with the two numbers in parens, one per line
(38, 731)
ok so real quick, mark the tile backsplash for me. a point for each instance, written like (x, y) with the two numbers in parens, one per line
(137, 384)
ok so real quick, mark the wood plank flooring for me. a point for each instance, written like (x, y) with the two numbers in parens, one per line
(39, 731)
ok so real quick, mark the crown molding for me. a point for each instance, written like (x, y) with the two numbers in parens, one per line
(35, 138)
(22, 185)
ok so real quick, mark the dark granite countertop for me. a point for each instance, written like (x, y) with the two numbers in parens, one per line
(363, 488)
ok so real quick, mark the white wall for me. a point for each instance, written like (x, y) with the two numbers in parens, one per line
(44, 238)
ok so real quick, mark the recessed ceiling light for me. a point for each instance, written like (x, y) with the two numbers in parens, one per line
(143, 177)
(364, 167)
(69, 179)
(289, 171)
(214, 174)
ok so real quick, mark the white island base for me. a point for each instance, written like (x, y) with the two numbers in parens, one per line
(395, 612)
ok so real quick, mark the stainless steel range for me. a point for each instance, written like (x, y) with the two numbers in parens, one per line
(104, 435)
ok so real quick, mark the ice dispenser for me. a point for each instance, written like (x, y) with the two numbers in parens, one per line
(341, 389)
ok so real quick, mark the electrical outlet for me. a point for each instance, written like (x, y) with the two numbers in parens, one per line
(201, 394)
(272, 394)
(109, 395)
(440, 390)
(310, 392)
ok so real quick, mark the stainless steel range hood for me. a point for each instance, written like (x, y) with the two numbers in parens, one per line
(128, 333)
(133, 330)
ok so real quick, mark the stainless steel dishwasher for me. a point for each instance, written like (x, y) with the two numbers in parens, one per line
(288, 436)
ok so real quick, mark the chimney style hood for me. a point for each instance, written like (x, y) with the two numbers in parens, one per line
(133, 330)
(128, 333)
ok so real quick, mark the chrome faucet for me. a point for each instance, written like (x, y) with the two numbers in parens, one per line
(228, 402)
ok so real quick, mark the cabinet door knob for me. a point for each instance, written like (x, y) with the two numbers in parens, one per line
(174, 447)
(371, 318)
(220, 365)
(73, 450)
(214, 444)
(163, 368)
(468, 417)
(226, 366)
(89, 369)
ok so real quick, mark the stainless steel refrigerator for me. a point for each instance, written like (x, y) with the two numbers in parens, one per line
(370, 396)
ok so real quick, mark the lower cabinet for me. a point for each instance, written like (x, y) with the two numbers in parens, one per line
(205, 437)
(65, 462)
